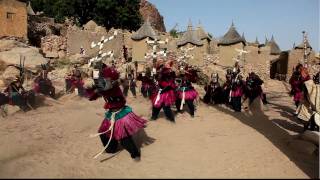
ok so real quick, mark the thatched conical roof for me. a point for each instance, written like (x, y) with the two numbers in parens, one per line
(266, 41)
(301, 45)
(190, 36)
(30, 10)
(231, 37)
(145, 31)
(202, 34)
(244, 38)
(274, 48)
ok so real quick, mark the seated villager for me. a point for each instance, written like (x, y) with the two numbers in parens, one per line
(4, 99)
(74, 82)
(18, 96)
(43, 85)
(214, 92)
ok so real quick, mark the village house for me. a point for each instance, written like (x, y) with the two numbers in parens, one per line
(13, 18)
(139, 38)
(190, 40)
(228, 45)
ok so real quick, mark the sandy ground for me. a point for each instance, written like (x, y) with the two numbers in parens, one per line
(53, 142)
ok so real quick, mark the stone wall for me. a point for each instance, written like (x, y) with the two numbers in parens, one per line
(227, 53)
(39, 27)
(197, 52)
(77, 38)
(13, 18)
(295, 56)
(54, 46)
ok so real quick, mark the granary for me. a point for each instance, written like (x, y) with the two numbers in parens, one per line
(139, 44)
(190, 40)
(228, 45)
(13, 18)
(204, 37)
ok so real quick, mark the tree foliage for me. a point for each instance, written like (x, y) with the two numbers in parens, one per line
(109, 13)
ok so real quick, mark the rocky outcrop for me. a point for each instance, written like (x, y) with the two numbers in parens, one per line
(54, 46)
(39, 27)
(33, 58)
(148, 10)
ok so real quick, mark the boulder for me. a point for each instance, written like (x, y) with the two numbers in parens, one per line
(9, 74)
(33, 59)
(49, 54)
(90, 26)
(61, 54)
(78, 59)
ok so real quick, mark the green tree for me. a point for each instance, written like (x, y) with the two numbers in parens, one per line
(109, 13)
(174, 33)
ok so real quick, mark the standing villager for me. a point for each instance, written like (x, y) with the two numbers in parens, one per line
(296, 81)
(120, 121)
(227, 88)
(164, 96)
(186, 94)
(237, 91)
(253, 88)
(147, 83)
(129, 83)
(214, 92)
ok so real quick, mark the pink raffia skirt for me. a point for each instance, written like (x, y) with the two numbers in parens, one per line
(191, 94)
(167, 99)
(126, 124)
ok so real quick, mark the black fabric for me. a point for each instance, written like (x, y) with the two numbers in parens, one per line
(146, 92)
(167, 111)
(189, 104)
(127, 143)
(3, 99)
(311, 124)
(236, 103)
(166, 89)
(126, 89)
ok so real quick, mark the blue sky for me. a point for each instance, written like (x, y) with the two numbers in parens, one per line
(285, 19)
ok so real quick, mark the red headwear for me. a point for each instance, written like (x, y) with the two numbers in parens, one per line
(110, 72)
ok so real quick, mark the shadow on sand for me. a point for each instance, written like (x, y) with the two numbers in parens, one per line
(309, 164)
(141, 139)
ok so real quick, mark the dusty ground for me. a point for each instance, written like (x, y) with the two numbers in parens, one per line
(53, 142)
